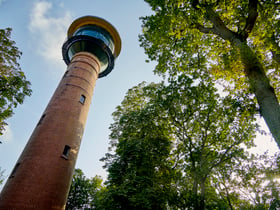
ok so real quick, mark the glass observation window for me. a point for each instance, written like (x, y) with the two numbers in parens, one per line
(98, 33)
(91, 47)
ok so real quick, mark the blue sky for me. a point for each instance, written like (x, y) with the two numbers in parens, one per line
(39, 29)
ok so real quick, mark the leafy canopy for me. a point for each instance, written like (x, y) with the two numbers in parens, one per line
(171, 140)
(180, 29)
(239, 41)
(83, 191)
(13, 84)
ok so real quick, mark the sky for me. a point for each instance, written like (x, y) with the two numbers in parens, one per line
(39, 30)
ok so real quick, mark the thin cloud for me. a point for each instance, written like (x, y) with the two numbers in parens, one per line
(1, 1)
(48, 31)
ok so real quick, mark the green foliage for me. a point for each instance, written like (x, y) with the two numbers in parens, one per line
(83, 191)
(13, 84)
(139, 173)
(2, 177)
(208, 131)
(178, 146)
(180, 28)
(238, 39)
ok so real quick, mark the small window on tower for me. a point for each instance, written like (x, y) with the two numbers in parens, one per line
(65, 74)
(66, 152)
(41, 119)
(82, 99)
(14, 170)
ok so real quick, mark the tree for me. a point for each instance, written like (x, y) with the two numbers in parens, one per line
(185, 128)
(240, 40)
(256, 181)
(83, 191)
(209, 132)
(13, 84)
(140, 173)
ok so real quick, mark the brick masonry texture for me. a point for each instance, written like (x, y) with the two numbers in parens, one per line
(42, 175)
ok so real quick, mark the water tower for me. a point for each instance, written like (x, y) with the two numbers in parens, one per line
(42, 175)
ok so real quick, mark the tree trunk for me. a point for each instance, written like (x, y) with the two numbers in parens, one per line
(195, 196)
(202, 197)
(264, 92)
(259, 83)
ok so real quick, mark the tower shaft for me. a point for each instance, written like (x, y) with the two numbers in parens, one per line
(42, 175)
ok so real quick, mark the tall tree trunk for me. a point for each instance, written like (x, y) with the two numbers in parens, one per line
(202, 197)
(195, 190)
(259, 83)
(264, 92)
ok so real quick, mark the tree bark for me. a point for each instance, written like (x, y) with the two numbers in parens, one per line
(258, 81)
(195, 196)
(264, 92)
(202, 197)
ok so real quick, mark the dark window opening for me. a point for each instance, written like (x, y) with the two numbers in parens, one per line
(82, 99)
(41, 119)
(66, 152)
(14, 170)
(65, 74)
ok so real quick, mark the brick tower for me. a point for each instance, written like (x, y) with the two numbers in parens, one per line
(42, 175)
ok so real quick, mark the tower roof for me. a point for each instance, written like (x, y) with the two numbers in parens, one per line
(93, 20)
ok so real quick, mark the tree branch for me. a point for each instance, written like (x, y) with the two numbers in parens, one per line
(251, 19)
(224, 156)
(202, 29)
(219, 27)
